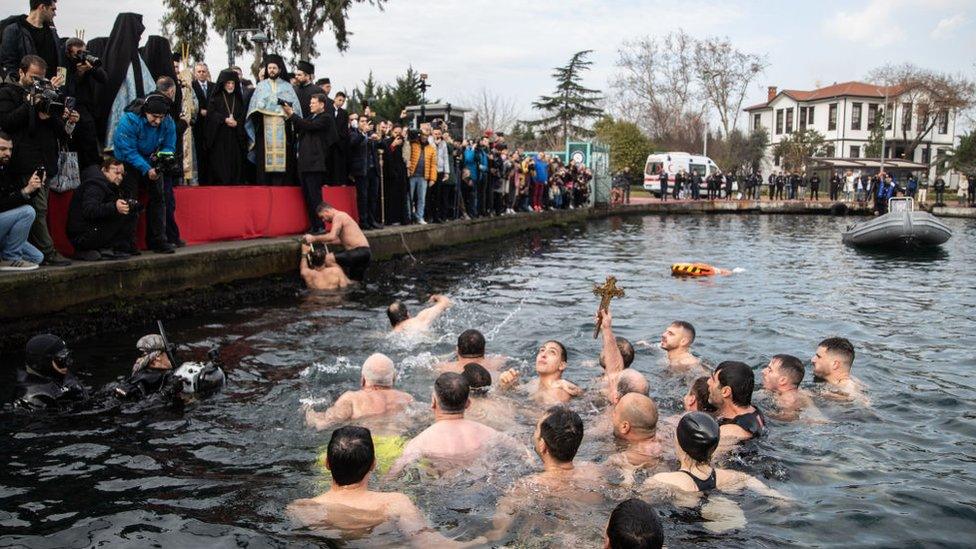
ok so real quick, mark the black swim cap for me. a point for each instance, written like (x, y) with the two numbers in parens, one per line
(41, 351)
(698, 435)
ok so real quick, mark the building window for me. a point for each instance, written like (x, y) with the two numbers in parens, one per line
(872, 115)
(756, 121)
(830, 151)
(803, 118)
(832, 117)
(943, 122)
(921, 118)
(855, 116)
(776, 160)
(906, 116)
(855, 151)
(789, 120)
(779, 122)
(810, 116)
(889, 115)
(926, 155)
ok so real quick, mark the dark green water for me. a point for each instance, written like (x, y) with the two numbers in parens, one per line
(901, 473)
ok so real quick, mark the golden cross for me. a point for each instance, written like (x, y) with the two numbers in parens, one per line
(607, 291)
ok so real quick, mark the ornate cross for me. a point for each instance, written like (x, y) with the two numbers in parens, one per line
(608, 291)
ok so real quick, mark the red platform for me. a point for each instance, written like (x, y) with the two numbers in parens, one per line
(213, 214)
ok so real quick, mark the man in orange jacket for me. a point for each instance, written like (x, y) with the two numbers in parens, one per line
(422, 167)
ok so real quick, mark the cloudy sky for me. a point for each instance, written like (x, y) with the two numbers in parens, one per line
(510, 46)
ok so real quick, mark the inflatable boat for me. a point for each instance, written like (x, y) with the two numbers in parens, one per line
(901, 227)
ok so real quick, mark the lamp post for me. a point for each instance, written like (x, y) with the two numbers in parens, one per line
(259, 38)
(423, 97)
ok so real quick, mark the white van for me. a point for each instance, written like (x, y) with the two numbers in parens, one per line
(672, 163)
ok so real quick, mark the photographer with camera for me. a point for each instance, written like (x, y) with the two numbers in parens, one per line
(31, 34)
(31, 113)
(85, 76)
(144, 140)
(101, 223)
(16, 215)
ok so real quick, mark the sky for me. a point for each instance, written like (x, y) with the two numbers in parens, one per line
(511, 46)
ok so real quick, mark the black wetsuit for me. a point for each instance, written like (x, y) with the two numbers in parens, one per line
(753, 422)
(704, 485)
(354, 262)
(149, 382)
(37, 392)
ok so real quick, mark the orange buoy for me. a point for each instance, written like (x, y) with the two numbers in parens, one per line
(697, 269)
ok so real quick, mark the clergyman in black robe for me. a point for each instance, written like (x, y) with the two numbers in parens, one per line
(224, 132)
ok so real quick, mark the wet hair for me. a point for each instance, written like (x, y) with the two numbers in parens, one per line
(791, 367)
(471, 343)
(562, 431)
(476, 375)
(316, 257)
(397, 313)
(322, 207)
(840, 346)
(562, 349)
(686, 326)
(699, 389)
(350, 454)
(738, 377)
(626, 383)
(28, 61)
(698, 435)
(452, 392)
(634, 525)
(626, 351)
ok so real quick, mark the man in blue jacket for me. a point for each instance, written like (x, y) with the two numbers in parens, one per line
(143, 132)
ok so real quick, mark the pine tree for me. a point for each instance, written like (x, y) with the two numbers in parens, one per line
(571, 104)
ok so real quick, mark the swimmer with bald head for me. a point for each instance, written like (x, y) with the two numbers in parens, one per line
(550, 387)
(402, 322)
(634, 421)
(349, 506)
(629, 381)
(377, 397)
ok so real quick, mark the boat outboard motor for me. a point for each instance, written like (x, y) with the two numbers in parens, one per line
(202, 378)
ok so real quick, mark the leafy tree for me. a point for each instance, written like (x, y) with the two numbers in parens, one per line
(876, 137)
(738, 152)
(963, 157)
(629, 147)
(571, 104)
(292, 23)
(796, 149)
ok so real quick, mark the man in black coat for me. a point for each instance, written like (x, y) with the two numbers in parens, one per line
(83, 83)
(202, 88)
(102, 224)
(814, 187)
(32, 34)
(341, 150)
(37, 135)
(304, 88)
(316, 136)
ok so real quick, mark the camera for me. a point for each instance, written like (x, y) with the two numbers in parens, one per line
(41, 171)
(134, 205)
(84, 57)
(167, 163)
(283, 103)
(45, 97)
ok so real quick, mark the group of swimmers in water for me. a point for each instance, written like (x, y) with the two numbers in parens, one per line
(473, 401)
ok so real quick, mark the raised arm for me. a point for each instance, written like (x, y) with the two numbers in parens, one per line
(613, 361)
(440, 304)
(337, 413)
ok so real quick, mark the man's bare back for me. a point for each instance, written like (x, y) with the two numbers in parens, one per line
(359, 404)
(492, 363)
(448, 444)
(326, 278)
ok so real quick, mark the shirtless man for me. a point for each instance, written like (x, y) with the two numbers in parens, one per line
(355, 257)
(550, 387)
(485, 407)
(401, 321)
(832, 363)
(635, 424)
(376, 398)
(677, 340)
(782, 377)
(316, 274)
(452, 441)
(471, 348)
(351, 507)
(616, 355)
(629, 381)
(730, 391)
(633, 523)
(557, 438)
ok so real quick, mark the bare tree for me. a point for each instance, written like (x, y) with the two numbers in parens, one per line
(724, 75)
(490, 110)
(934, 97)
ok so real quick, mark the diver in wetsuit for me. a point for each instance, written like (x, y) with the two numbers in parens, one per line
(152, 373)
(730, 390)
(46, 380)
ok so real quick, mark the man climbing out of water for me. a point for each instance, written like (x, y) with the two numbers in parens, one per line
(471, 348)
(696, 439)
(635, 424)
(401, 320)
(616, 355)
(730, 391)
(350, 506)
(376, 398)
(550, 387)
(782, 377)
(676, 341)
(316, 274)
(46, 380)
(634, 523)
(452, 441)
(832, 363)
(355, 257)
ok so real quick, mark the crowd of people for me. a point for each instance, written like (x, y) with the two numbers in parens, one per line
(110, 120)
